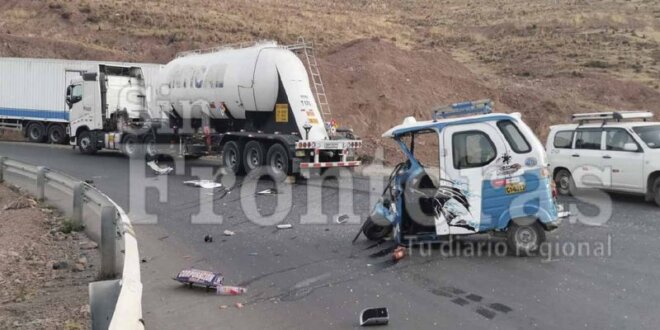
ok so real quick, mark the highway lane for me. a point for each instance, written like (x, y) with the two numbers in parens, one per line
(312, 277)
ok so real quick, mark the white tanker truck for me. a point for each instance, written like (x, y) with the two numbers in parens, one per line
(253, 105)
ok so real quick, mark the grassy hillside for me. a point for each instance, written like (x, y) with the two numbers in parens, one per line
(545, 58)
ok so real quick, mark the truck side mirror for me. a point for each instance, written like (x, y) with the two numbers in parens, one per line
(630, 147)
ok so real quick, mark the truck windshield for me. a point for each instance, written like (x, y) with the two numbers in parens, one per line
(649, 134)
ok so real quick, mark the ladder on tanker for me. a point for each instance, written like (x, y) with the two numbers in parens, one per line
(307, 50)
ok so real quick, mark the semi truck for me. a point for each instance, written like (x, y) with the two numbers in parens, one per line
(31, 94)
(252, 105)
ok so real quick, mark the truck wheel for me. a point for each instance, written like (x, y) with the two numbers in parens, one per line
(374, 231)
(232, 158)
(150, 148)
(130, 146)
(36, 132)
(277, 160)
(565, 183)
(656, 189)
(56, 134)
(524, 240)
(254, 153)
(85, 143)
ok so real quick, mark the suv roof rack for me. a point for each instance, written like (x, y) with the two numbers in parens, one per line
(616, 116)
(481, 107)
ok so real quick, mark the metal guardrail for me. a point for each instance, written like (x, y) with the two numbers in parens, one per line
(116, 302)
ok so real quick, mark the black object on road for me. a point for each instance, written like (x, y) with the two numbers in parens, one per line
(374, 316)
(208, 239)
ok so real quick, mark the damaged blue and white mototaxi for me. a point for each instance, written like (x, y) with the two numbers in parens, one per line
(467, 171)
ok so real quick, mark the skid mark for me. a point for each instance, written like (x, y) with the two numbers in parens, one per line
(500, 307)
(487, 313)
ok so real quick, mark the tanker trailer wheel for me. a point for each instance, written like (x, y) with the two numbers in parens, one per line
(36, 132)
(254, 155)
(85, 143)
(150, 148)
(277, 161)
(130, 146)
(57, 134)
(232, 158)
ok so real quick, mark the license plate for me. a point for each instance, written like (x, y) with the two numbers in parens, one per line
(515, 188)
(333, 145)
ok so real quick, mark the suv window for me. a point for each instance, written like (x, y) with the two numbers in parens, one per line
(513, 136)
(472, 149)
(616, 138)
(564, 139)
(588, 139)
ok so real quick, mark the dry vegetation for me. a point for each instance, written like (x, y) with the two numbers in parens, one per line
(545, 58)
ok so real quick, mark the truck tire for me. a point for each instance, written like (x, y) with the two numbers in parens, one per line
(254, 155)
(36, 132)
(277, 161)
(524, 239)
(374, 231)
(565, 183)
(130, 146)
(232, 158)
(656, 190)
(57, 134)
(85, 143)
(150, 148)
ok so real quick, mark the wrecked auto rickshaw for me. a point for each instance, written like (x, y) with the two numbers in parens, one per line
(467, 171)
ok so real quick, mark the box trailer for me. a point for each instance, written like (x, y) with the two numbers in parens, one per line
(32, 94)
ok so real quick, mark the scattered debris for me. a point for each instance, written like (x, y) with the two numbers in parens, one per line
(285, 226)
(163, 237)
(20, 203)
(202, 278)
(398, 253)
(342, 218)
(144, 260)
(374, 316)
(269, 191)
(253, 254)
(238, 305)
(208, 239)
(223, 306)
(228, 232)
(159, 170)
(60, 265)
(226, 290)
(205, 184)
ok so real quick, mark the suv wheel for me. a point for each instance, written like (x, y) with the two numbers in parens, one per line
(565, 183)
(656, 189)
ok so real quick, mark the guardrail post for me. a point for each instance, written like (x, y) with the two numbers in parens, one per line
(2, 168)
(108, 232)
(77, 209)
(41, 183)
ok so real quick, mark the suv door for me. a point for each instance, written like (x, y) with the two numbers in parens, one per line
(626, 166)
(560, 148)
(587, 158)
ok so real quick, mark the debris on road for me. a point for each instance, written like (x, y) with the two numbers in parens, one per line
(342, 218)
(223, 306)
(285, 226)
(205, 184)
(253, 254)
(238, 305)
(208, 239)
(226, 290)
(202, 278)
(374, 316)
(228, 232)
(163, 237)
(269, 191)
(398, 253)
(159, 170)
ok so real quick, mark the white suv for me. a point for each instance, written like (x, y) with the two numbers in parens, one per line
(618, 151)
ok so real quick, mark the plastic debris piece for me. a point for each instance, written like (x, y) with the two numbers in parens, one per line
(205, 184)
(229, 233)
(238, 305)
(223, 306)
(374, 316)
(202, 278)
(253, 254)
(159, 170)
(269, 191)
(341, 219)
(285, 226)
(208, 239)
(227, 290)
(398, 253)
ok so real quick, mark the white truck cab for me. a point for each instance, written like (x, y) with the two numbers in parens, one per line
(616, 151)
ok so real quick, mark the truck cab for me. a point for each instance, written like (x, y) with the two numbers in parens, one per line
(108, 109)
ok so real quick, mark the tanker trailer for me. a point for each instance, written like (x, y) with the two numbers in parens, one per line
(255, 107)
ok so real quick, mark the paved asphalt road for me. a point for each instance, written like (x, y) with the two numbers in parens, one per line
(311, 277)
